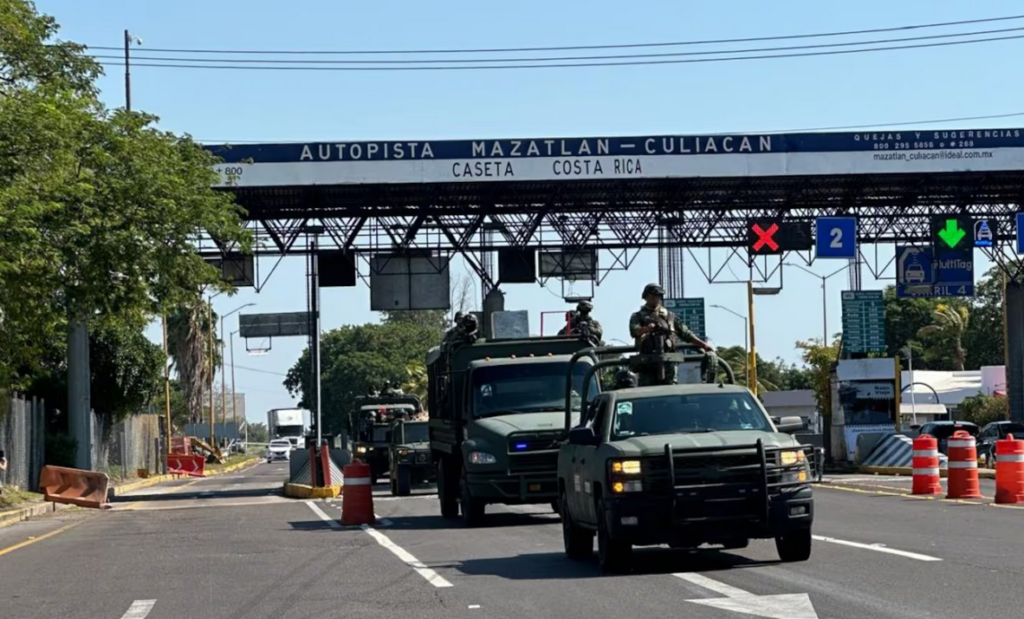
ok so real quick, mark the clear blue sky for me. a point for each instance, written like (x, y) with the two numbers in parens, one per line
(858, 89)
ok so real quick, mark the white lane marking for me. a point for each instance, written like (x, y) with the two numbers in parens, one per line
(780, 606)
(471, 606)
(709, 583)
(876, 548)
(139, 609)
(430, 575)
(323, 516)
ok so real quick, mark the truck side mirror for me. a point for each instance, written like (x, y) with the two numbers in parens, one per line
(583, 436)
(790, 425)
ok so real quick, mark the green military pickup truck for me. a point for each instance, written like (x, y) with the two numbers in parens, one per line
(409, 456)
(496, 421)
(371, 425)
(683, 465)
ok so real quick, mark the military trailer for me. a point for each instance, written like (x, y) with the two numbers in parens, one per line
(496, 420)
(371, 428)
(684, 465)
(409, 456)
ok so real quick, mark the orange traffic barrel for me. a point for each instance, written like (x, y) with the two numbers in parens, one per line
(1009, 470)
(926, 466)
(356, 495)
(963, 467)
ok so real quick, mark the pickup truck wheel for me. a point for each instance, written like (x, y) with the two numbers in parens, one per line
(403, 481)
(556, 507)
(472, 509)
(578, 542)
(795, 546)
(447, 490)
(614, 556)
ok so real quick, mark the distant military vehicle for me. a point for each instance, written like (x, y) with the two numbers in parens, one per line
(409, 460)
(683, 465)
(371, 425)
(496, 410)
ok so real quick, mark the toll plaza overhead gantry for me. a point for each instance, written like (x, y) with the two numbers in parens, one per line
(547, 206)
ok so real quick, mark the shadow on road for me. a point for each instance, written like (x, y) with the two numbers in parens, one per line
(646, 561)
(200, 494)
(491, 521)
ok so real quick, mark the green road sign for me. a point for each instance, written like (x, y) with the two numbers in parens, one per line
(863, 321)
(691, 312)
(952, 232)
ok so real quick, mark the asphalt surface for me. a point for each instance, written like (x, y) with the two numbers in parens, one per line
(233, 547)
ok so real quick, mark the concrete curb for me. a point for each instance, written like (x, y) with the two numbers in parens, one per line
(302, 491)
(19, 514)
(908, 472)
(32, 510)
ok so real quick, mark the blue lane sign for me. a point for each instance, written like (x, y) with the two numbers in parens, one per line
(836, 237)
(922, 273)
(1020, 233)
(984, 233)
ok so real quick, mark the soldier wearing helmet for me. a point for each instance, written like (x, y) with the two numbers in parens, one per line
(465, 332)
(624, 379)
(582, 324)
(652, 317)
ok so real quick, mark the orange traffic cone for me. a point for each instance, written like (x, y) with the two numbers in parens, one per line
(926, 466)
(1009, 470)
(357, 495)
(963, 467)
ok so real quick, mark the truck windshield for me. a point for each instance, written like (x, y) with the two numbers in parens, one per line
(526, 388)
(416, 433)
(681, 414)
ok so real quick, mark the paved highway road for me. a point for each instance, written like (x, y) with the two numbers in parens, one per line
(232, 547)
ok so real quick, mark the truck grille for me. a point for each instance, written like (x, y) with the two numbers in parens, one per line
(533, 452)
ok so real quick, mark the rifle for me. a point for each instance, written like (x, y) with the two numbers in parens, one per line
(659, 340)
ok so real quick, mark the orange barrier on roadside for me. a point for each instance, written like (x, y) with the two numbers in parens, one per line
(963, 467)
(1009, 470)
(357, 495)
(926, 477)
(325, 466)
(73, 486)
(181, 445)
(193, 466)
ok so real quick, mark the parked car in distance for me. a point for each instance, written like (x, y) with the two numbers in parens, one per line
(996, 431)
(279, 449)
(942, 430)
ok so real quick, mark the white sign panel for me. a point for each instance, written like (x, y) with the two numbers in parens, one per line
(651, 157)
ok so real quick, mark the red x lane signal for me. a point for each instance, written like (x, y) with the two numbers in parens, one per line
(762, 236)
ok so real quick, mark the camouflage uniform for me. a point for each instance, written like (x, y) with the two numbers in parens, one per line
(463, 333)
(645, 316)
(581, 322)
(394, 390)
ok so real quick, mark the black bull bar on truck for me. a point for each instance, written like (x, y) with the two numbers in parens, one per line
(769, 479)
(636, 361)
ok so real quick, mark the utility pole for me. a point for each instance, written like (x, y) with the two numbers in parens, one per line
(223, 377)
(213, 368)
(167, 388)
(234, 397)
(127, 71)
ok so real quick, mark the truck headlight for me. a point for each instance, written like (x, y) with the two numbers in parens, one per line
(794, 477)
(626, 467)
(360, 450)
(481, 457)
(787, 458)
(403, 452)
(627, 486)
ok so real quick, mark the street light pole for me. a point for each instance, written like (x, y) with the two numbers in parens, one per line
(746, 328)
(752, 352)
(234, 396)
(824, 295)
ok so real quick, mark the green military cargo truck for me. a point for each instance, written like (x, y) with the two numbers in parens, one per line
(496, 420)
(371, 427)
(409, 456)
(683, 465)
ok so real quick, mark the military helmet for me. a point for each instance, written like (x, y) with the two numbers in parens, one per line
(584, 307)
(458, 317)
(653, 289)
(469, 321)
(625, 377)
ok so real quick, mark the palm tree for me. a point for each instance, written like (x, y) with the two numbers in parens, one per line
(949, 324)
(416, 381)
(194, 355)
(736, 357)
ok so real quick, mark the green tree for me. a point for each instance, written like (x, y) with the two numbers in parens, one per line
(99, 210)
(984, 337)
(983, 409)
(127, 370)
(416, 380)
(436, 321)
(355, 358)
(820, 360)
(948, 328)
(195, 351)
(258, 433)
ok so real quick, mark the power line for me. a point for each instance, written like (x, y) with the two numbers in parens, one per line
(578, 47)
(937, 121)
(566, 65)
(559, 58)
(249, 369)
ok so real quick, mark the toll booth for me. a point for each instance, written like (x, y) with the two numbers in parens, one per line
(865, 401)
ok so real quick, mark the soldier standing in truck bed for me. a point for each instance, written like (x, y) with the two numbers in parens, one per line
(582, 324)
(654, 317)
(464, 333)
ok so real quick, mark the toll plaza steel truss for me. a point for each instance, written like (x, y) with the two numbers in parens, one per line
(620, 215)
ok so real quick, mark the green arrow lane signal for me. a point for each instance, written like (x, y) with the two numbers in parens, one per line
(952, 234)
